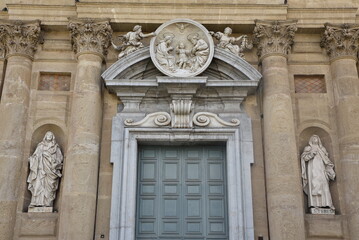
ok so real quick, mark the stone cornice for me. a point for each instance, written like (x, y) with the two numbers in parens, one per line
(341, 40)
(274, 37)
(19, 37)
(90, 35)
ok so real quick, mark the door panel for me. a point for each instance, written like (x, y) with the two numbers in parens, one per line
(181, 193)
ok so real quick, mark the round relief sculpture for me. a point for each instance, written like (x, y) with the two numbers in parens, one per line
(182, 48)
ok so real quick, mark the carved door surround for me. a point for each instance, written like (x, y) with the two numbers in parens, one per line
(177, 110)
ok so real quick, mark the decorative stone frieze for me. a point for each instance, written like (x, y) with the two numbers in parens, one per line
(89, 35)
(341, 40)
(274, 37)
(18, 37)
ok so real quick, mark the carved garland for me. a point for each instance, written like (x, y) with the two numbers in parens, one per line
(274, 37)
(340, 40)
(19, 37)
(89, 35)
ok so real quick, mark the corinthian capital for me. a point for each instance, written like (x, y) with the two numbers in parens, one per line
(274, 37)
(341, 40)
(18, 37)
(90, 35)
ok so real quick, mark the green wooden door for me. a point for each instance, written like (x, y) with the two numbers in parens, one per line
(181, 193)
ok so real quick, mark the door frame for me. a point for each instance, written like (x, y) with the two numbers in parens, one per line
(124, 156)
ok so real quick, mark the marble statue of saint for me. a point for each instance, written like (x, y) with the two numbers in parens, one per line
(317, 170)
(163, 55)
(45, 171)
(227, 43)
(200, 51)
(131, 41)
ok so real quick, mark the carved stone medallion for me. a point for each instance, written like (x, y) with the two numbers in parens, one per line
(182, 48)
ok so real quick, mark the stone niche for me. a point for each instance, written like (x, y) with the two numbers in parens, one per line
(161, 107)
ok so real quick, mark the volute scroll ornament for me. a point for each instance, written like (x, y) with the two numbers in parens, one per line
(157, 119)
(207, 119)
(182, 48)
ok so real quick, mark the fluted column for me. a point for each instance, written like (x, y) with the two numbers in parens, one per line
(20, 40)
(77, 214)
(342, 43)
(283, 181)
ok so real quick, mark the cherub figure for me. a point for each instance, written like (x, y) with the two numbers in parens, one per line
(131, 41)
(226, 42)
(182, 56)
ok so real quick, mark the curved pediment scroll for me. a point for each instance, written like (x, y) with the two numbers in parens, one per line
(206, 119)
(157, 119)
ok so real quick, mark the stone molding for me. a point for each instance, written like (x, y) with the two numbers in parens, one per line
(341, 40)
(274, 37)
(90, 35)
(19, 38)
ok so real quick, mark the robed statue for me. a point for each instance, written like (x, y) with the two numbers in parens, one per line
(45, 171)
(317, 171)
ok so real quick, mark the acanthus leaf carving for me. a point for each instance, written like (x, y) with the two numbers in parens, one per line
(275, 37)
(89, 35)
(157, 119)
(340, 40)
(18, 37)
(207, 119)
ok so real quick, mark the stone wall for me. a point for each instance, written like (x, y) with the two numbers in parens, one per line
(51, 109)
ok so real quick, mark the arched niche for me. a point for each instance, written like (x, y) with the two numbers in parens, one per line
(328, 144)
(36, 138)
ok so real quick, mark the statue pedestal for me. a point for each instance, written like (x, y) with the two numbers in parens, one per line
(40, 209)
(324, 211)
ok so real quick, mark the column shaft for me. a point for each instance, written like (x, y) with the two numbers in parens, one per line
(342, 45)
(90, 39)
(13, 109)
(82, 160)
(283, 181)
(346, 82)
(284, 191)
(20, 41)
